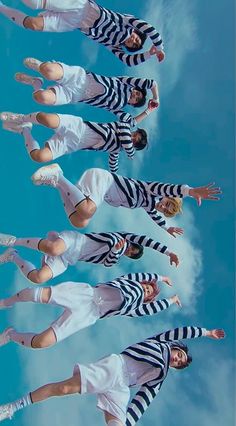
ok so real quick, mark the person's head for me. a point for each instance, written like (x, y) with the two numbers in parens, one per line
(151, 290)
(169, 206)
(135, 41)
(139, 139)
(134, 251)
(137, 97)
(180, 357)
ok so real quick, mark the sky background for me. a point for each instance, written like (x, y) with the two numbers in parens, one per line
(191, 141)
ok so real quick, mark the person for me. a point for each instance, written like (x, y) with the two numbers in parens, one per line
(131, 295)
(73, 134)
(74, 84)
(68, 247)
(97, 185)
(145, 364)
(118, 32)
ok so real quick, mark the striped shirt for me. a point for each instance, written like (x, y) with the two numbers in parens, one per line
(111, 255)
(116, 94)
(146, 194)
(156, 352)
(116, 137)
(112, 29)
(133, 296)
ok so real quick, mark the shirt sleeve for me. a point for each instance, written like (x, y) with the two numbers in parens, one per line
(160, 189)
(180, 333)
(129, 59)
(146, 242)
(157, 218)
(140, 402)
(113, 162)
(142, 83)
(142, 276)
(148, 30)
(151, 308)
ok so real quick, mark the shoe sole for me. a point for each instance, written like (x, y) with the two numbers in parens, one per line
(37, 175)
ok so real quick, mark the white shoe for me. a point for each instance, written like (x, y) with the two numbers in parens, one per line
(27, 79)
(15, 127)
(7, 240)
(7, 256)
(32, 63)
(4, 337)
(12, 116)
(6, 411)
(47, 175)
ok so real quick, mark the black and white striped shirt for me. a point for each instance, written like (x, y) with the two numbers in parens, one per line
(112, 29)
(116, 94)
(133, 296)
(116, 137)
(156, 352)
(111, 255)
(145, 194)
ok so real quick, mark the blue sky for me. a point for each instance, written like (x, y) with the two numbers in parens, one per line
(191, 141)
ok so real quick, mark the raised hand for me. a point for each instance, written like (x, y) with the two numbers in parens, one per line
(207, 192)
(120, 244)
(174, 259)
(173, 230)
(160, 55)
(167, 281)
(217, 333)
(175, 299)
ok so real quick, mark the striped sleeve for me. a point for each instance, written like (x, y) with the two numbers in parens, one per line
(140, 403)
(187, 332)
(142, 83)
(157, 218)
(124, 116)
(128, 59)
(113, 162)
(160, 189)
(151, 308)
(148, 30)
(142, 276)
(146, 242)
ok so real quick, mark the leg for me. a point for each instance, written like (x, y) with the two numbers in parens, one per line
(52, 248)
(84, 212)
(35, 295)
(48, 120)
(40, 276)
(45, 97)
(66, 387)
(112, 420)
(51, 70)
(34, 23)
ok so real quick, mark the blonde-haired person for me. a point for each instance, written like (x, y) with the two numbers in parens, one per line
(97, 185)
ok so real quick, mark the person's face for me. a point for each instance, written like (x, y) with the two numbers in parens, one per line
(164, 206)
(136, 138)
(131, 251)
(148, 291)
(178, 358)
(135, 97)
(133, 42)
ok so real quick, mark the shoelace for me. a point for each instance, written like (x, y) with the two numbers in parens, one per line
(48, 180)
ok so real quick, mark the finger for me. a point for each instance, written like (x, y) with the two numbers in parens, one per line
(199, 201)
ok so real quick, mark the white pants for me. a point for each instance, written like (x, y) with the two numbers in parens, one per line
(81, 308)
(108, 379)
(99, 185)
(71, 87)
(72, 135)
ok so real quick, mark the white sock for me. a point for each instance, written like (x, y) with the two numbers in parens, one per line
(37, 84)
(22, 403)
(24, 266)
(32, 243)
(26, 295)
(31, 118)
(13, 14)
(34, 4)
(30, 143)
(23, 339)
(72, 192)
(68, 205)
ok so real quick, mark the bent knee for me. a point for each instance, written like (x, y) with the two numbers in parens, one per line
(34, 24)
(55, 248)
(40, 156)
(39, 342)
(43, 97)
(78, 222)
(47, 69)
(36, 277)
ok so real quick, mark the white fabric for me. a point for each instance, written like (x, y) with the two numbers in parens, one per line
(106, 378)
(139, 372)
(72, 135)
(114, 423)
(108, 298)
(75, 85)
(34, 4)
(81, 309)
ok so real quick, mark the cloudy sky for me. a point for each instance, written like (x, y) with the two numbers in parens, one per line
(191, 141)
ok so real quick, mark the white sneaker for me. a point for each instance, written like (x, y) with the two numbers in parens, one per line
(47, 175)
(7, 240)
(15, 127)
(4, 337)
(7, 256)
(6, 411)
(12, 116)
(27, 79)
(32, 63)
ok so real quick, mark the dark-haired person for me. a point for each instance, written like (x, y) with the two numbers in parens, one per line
(144, 364)
(69, 247)
(118, 32)
(73, 134)
(98, 185)
(74, 84)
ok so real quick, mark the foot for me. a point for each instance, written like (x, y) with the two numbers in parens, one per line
(12, 116)
(4, 337)
(6, 411)
(27, 79)
(7, 240)
(47, 175)
(15, 127)
(32, 63)
(7, 256)
(3, 306)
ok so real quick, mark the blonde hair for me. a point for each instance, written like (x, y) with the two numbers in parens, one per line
(175, 207)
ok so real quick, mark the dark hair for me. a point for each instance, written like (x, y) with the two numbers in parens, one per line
(143, 141)
(139, 249)
(181, 345)
(141, 101)
(142, 37)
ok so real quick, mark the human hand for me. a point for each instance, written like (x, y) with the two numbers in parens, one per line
(173, 230)
(153, 104)
(217, 334)
(120, 244)
(160, 55)
(175, 299)
(153, 50)
(167, 281)
(207, 192)
(174, 259)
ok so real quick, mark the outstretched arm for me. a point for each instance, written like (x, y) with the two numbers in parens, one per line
(140, 402)
(155, 307)
(189, 332)
(207, 192)
(115, 253)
